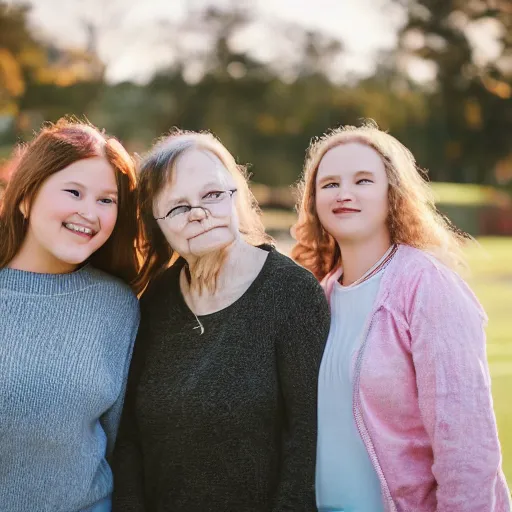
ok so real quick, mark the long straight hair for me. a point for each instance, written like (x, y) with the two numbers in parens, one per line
(55, 147)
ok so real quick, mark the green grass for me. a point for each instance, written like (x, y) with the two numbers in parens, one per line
(463, 193)
(491, 279)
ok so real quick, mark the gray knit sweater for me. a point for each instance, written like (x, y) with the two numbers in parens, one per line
(65, 347)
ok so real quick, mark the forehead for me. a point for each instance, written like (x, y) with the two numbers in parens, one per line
(93, 172)
(194, 169)
(351, 157)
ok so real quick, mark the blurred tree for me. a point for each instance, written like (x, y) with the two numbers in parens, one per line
(470, 109)
(40, 81)
(20, 56)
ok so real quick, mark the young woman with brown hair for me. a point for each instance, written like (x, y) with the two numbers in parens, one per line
(68, 232)
(405, 412)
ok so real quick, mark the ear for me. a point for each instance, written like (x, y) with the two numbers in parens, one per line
(23, 209)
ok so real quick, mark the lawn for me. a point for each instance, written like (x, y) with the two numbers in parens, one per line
(491, 279)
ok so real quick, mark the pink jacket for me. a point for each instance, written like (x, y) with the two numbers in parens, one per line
(422, 400)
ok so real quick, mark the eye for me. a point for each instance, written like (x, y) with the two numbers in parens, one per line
(178, 210)
(73, 192)
(364, 180)
(214, 194)
(330, 185)
(108, 200)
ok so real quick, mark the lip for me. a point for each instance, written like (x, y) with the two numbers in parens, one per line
(204, 232)
(345, 210)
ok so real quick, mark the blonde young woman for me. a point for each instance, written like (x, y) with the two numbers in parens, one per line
(220, 410)
(405, 414)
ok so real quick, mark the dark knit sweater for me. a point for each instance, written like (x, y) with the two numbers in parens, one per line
(224, 421)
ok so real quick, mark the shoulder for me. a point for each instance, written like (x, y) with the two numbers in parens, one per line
(413, 266)
(164, 285)
(117, 294)
(296, 291)
(419, 278)
(288, 275)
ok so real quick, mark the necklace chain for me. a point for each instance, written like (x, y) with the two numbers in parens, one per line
(377, 268)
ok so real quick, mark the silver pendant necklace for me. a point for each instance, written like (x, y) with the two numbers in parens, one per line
(199, 324)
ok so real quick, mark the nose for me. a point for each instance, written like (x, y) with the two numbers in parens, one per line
(345, 194)
(88, 210)
(197, 214)
(87, 215)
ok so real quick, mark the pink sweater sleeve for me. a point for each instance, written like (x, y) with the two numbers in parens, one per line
(448, 347)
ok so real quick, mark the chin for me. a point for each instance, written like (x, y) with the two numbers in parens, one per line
(348, 235)
(73, 259)
(209, 243)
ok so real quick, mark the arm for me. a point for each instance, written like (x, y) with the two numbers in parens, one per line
(304, 319)
(448, 348)
(111, 418)
(128, 460)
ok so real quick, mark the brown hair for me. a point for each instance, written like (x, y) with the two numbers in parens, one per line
(55, 147)
(412, 218)
(155, 171)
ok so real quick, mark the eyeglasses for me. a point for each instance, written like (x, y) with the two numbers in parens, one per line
(213, 203)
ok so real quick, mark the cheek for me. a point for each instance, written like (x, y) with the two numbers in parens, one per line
(108, 221)
(382, 204)
(175, 239)
(46, 218)
(377, 206)
(323, 204)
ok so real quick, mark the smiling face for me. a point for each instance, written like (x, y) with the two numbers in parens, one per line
(198, 179)
(352, 192)
(72, 215)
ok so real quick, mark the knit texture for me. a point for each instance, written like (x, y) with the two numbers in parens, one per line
(224, 421)
(422, 395)
(65, 346)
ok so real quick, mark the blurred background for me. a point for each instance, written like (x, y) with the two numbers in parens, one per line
(267, 76)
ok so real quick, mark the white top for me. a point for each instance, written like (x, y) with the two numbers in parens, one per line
(345, 478)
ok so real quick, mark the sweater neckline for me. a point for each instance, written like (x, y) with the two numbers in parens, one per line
(33, 283)
(258, 280)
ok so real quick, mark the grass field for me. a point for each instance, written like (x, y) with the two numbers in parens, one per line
(491, 279)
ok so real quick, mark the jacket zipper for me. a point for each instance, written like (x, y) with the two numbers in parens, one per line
(361, 427)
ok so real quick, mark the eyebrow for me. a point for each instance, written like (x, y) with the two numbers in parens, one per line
(333, 177)
(328, 178)
(109, 192)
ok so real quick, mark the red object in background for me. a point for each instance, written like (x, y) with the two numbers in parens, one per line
(496, 220)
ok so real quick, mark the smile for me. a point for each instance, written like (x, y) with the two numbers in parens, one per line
(79, 230)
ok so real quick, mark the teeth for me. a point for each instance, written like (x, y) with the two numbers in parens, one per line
(79, 229)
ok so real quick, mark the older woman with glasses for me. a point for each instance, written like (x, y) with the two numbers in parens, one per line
(220, 413)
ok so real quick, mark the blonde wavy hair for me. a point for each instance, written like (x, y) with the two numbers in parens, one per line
(156, 170)
(412, 218)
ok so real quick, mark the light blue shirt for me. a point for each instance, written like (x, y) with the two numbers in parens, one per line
(345, 478)
(65, 348)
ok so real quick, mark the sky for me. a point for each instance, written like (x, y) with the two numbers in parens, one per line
(132, 52)
(134, 34)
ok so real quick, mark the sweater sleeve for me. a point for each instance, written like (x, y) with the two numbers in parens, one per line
(304, 319)
(127, 464)
(448, 348)
(111, 418)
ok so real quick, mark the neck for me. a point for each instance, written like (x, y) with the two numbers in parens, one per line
(225, 264)
(359, 256)
(30, 259)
